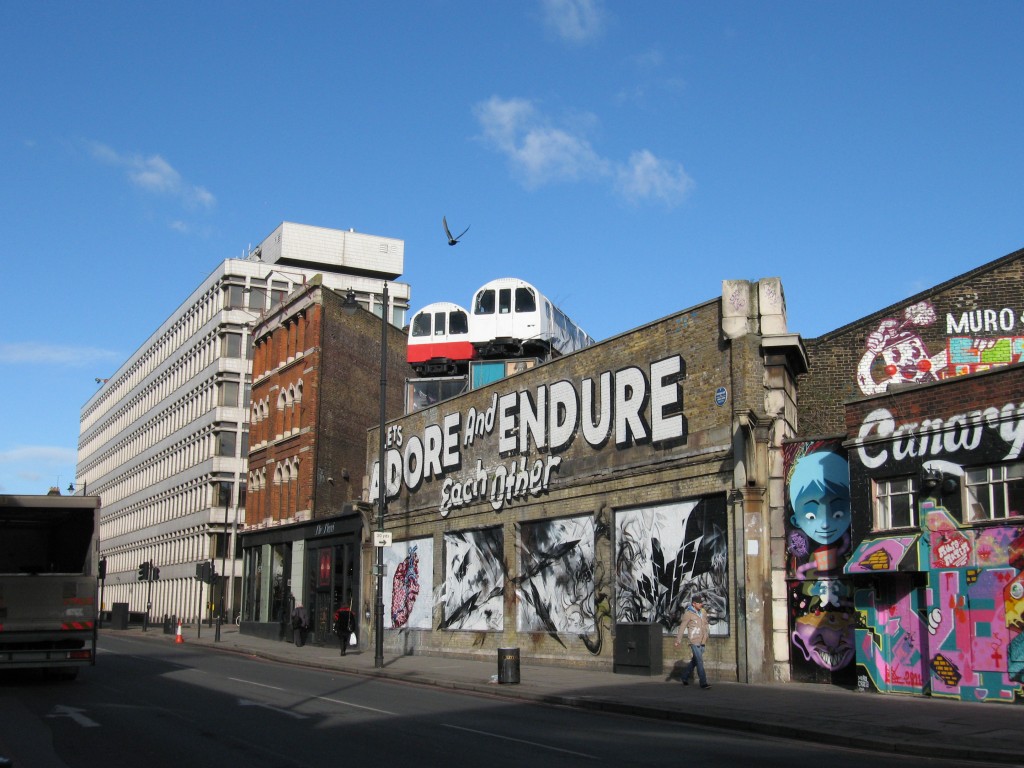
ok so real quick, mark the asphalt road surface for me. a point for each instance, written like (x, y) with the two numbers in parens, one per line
(149, 705)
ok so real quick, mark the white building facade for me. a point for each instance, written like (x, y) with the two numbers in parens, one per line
(164, 442)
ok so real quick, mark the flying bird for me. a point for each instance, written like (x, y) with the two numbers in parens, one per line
(452, 240)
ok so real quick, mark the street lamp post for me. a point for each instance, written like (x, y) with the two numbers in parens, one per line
(350, 306)
(378, 618)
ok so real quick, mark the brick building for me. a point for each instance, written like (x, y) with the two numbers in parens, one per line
(562, 508)
(931, 384)
(316, 390)
(936, 477)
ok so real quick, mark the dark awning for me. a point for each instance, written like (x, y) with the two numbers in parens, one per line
(882, 554)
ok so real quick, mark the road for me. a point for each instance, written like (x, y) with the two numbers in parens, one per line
(153, 705)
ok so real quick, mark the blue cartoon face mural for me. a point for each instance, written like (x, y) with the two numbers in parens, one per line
(820, 496)
(822, 618)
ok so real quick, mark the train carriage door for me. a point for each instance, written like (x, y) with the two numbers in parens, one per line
(527, 318)
(505, 319)
(482, 329)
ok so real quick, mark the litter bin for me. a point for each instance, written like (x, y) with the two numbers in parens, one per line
(508, 665)
(119, 616)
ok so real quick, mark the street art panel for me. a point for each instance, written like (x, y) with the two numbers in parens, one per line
(975, 340)
(556, 576)
(955, 630)
(473, 596)
(665, 555)
(818, 520)
(409, 584)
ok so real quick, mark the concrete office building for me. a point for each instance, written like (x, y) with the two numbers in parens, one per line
(164, 442)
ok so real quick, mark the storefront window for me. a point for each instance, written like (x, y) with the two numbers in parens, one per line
(279, 597)
(253, 571)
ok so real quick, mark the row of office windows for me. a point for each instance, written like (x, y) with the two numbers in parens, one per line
(174, 504)
(169, 344)
(191, 406)
(194, 362)
(184, 453)
(184, 547)
(224, 344)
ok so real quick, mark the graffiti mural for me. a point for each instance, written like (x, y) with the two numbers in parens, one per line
(818, 522)
(473, 596)
(556, 576)
(665, 555)
(407, 592)
(957, 632)
(975, 340)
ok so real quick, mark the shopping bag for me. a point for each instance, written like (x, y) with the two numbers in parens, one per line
(352, 638)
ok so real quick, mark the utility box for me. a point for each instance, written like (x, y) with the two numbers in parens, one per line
(119, 616)
(638, 648)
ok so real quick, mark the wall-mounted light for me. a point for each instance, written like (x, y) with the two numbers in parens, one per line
(936, 483)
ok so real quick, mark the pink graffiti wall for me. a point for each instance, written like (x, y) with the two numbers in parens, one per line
(953, 628)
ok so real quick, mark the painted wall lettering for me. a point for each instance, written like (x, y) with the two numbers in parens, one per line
(880, 432)
(632, 406)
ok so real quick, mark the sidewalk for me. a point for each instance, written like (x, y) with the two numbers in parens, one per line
(811, 713)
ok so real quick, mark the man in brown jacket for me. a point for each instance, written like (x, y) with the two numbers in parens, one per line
(694, 627)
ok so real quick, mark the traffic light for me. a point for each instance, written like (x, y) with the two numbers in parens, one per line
(205, 572)
(144, 571)
(102, 572)
(155, 573)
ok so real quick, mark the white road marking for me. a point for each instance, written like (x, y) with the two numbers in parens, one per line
(357, 706)
(521, 741)
(248, 703)
(258, 685)
(74, 714)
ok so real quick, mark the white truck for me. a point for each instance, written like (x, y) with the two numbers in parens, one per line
(49, 567)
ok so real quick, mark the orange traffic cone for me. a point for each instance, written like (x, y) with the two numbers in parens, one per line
(179, 638)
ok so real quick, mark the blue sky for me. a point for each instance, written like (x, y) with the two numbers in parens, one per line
(623, 157)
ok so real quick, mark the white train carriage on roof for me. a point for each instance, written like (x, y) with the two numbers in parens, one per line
(511, 318)
(439, 340)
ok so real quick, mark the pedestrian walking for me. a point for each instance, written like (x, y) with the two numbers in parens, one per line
(694, 627)
(300, 624)
(344, 625)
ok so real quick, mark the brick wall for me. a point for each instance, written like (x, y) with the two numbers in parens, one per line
(592, 480)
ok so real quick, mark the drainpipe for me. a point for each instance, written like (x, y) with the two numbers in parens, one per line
(735, 501)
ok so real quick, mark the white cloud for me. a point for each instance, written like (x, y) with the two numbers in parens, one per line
(577, 21)
(647, 177)
(541, 153)
(51, 354)
(154, 174)
(42, 455)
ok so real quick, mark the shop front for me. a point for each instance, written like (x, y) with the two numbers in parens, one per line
(315, 564)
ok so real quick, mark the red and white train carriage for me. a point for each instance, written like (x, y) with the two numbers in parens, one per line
(510, 318)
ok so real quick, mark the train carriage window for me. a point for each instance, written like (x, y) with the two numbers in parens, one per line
(439, 323)
(504, 301)
(525, 301)
(458, 323)
(421, 324)
(484, 303)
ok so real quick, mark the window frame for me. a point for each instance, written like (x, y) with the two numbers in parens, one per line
(999, 478)
(882, 496)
